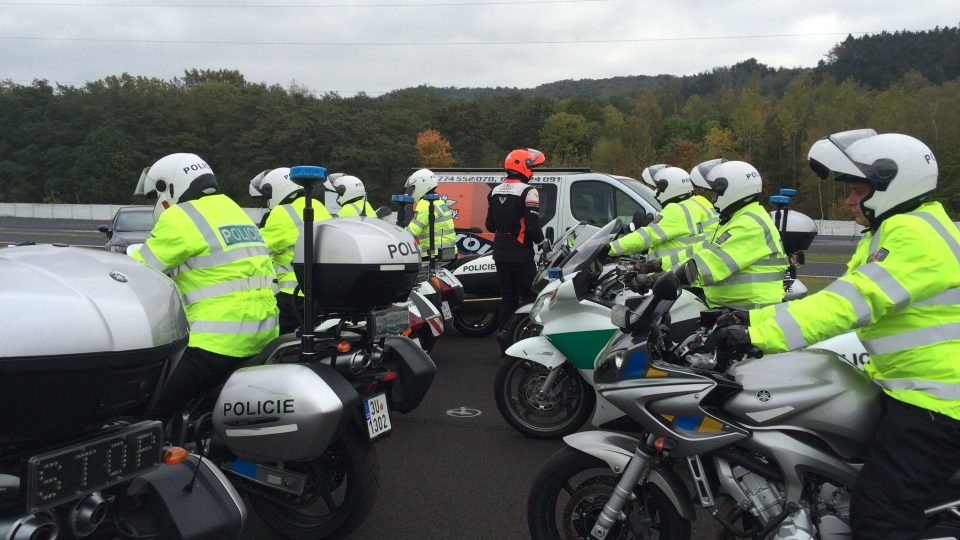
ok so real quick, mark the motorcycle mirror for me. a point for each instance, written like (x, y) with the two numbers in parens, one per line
(383, 212)
(667, 287)
(620, 316)
(687, 273)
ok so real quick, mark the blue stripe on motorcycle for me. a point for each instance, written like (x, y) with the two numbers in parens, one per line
(636, 365)
(688, 423)
(244, 468)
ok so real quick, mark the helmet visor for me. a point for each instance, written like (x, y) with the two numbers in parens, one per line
(699, 173)
(829, 154)
(650, 173)
(143, 188)
(535, 159)
(256, 185)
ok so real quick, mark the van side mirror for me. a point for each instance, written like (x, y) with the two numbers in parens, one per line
(383, 212)
(105, 229)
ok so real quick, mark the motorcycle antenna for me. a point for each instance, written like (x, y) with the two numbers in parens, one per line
(430, 198)
(309, 177)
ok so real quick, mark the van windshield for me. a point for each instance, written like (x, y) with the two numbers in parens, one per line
(643, 191)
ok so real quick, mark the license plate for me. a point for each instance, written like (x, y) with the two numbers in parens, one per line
(65, 474)
(447, 314)
(390, 322)
(377, 414)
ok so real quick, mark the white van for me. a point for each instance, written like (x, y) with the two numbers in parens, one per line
(567, 196)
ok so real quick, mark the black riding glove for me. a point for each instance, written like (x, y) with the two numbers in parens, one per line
(731, 340)
(649, 267)
(733, 317)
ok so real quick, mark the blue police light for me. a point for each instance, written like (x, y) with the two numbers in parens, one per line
(401, 199)
(554, 272)
(779, 199)
(786, 192)
(307, 172)
(431, 197)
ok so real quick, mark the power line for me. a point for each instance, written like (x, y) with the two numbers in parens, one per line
(286, 6)
(425, 43)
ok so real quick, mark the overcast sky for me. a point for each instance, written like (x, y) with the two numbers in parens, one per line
(381, 45)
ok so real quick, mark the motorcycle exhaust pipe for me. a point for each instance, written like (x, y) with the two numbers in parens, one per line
(88, 514)
(40, 526)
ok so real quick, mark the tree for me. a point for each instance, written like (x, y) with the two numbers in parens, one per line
(433, 150)
(565, 138)
(720, 142)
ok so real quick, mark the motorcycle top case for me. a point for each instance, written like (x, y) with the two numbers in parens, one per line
(283, 412)
(85, 336)
(797, 232)
(360, 264)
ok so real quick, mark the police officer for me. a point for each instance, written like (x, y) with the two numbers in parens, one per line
(902, 294)
(513, 214)
(419, 184)
(221, 265)
(282, 229)
(743, 264)
(351, 196)
(684, 222)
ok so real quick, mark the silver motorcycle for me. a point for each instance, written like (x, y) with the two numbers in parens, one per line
(772, 445)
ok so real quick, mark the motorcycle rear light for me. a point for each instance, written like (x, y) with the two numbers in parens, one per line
(173, 455)
(388, 376)
(343, 346)
(416, 322)
(441, 285)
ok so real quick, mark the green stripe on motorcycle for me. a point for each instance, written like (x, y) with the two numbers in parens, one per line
(581, 348)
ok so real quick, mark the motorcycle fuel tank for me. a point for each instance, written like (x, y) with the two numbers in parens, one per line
(810, 391)
(282, 412)
(85, 336)
(360, 263)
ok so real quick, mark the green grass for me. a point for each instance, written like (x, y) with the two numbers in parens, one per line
(814, 284)
(841, 258)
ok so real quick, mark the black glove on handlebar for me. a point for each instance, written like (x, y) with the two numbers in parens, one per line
(649, 267)
(732, 340)
(734, 317)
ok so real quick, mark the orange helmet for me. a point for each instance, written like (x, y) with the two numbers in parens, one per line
(522, 161)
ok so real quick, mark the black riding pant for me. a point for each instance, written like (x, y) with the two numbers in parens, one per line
(290, 312)
(516, 286)
(914, 454)
(197, 372)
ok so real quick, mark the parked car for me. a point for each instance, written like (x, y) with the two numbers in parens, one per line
(130, 225)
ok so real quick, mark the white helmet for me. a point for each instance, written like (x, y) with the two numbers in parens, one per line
(734, 182)
(348, 189)
(650, 172)
(900, 170)
(698, 174)
(420, 183)
(672, 182)
(274, 185)
(176, 178)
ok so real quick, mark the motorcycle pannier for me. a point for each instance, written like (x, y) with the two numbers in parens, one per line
(85, 337)
(360, 264)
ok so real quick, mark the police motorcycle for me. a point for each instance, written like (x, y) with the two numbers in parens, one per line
(436, 284)
(543, 387)
(295, 429)
(75, 460)
(761, 439)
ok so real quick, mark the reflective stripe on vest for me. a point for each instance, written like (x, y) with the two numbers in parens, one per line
(790, 327)
(942, 390)
(230, 327)
(227, 287)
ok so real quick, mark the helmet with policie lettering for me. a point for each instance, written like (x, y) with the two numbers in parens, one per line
(672, 183)
(348, 189)
(174, 179)
(900, 170)
(698, 174)
(522, 162)
(420, 183)
(736, 184)
(275, 186)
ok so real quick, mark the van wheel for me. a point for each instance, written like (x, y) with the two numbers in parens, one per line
(475, 324)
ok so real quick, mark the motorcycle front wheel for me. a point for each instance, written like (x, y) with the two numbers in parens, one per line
(570, 491)
(340, 492)
(558, 412)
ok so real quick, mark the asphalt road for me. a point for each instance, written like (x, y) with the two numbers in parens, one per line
(441, 476)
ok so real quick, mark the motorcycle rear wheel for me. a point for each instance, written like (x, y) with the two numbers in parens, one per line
(570, 491)
(548, 417)
(475, 323)
(347, 472)
(520, 327)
